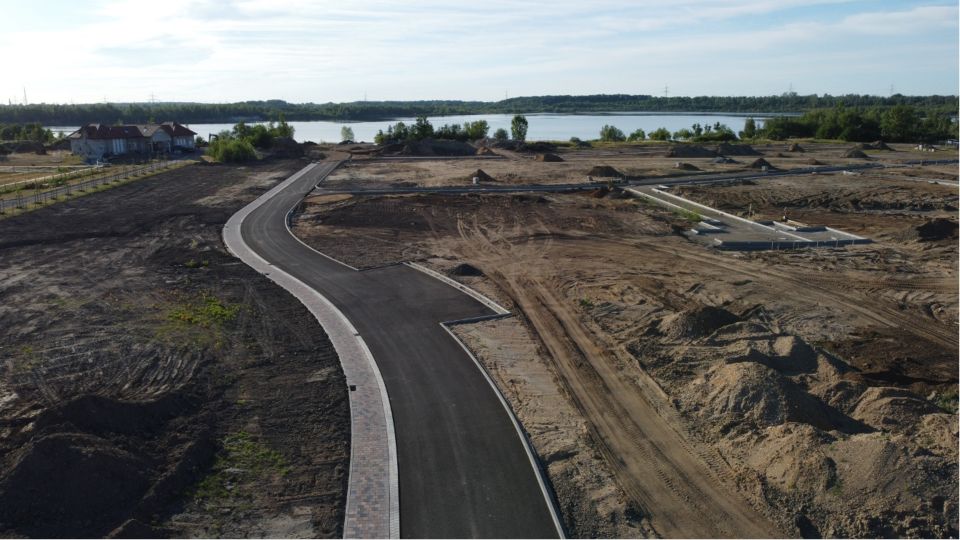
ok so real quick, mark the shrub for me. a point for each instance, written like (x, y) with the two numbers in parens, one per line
(660, 134)
(501, 134)
(611, 134)
(637, 135)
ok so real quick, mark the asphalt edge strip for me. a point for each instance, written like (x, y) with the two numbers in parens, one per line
(535, 462)
(338, 328)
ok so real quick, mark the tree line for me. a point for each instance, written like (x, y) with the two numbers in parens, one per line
(262, 111)
(34, 132)
(422, 128)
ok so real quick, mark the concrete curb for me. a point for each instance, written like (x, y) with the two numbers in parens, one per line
(372, 507)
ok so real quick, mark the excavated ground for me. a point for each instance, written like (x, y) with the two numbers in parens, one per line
(151, 384)
(677, 391)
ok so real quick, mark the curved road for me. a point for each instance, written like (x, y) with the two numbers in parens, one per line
(463, 471)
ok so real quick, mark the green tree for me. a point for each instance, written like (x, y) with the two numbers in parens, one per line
(501, 134)
(749, 129)
(660, 134)
(422, 129)
(637, 135)
(518, 127)
(683, 134)
(346, 133)
(476, 130)
(899, 123)
(610, 133)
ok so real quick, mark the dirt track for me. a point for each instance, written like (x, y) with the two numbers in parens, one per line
(775, 404)
(150, 383)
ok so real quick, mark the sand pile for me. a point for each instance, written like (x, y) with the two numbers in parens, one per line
(548, 157)
(727, 149)
(604, 171)
(937, 229)
(855, 153)
(795, 148)
(690, 151)
(685, 166)
(485, 151)
(890, 408)
(761, 163)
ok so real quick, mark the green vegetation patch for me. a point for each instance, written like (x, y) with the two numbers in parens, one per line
(242, 460)
(207, 312)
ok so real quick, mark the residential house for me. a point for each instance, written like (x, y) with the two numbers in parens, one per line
(98, 141)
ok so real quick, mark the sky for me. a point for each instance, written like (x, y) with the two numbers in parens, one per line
(64, 51)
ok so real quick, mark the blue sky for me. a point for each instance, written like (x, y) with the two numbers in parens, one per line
(300, 50)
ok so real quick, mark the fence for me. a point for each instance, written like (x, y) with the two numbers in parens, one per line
(22, 199)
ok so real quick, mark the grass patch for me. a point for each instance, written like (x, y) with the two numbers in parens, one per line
(242, 460)
(689, 215)
(208, 312)
(947, 401)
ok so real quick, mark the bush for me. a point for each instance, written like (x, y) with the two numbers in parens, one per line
(227, 149)
(476, 130)
(637, 135)
(611, 134)
(660, 134)
(501, 134)
(346, 133)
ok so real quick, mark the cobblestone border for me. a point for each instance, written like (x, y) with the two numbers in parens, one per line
(373, 505)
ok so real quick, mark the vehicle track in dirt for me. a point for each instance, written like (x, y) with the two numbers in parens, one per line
(657, 467)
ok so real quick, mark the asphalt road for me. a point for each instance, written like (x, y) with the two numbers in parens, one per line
(463, 471)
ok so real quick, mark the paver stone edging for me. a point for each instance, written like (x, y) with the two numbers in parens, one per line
(372, 508)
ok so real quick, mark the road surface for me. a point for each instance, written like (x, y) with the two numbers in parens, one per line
(463, 470)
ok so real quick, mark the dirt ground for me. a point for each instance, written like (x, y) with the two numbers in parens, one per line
(800, 393)
(151, 384)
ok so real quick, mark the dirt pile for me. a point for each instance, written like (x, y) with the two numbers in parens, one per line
(686, 166)
(541, 147)
(937, 229)
(880, 145)
(795, 148)
(761, 163)
(436, 147)
(485, 151)
(727, 149)
(286, 148)
(697, 322)
(481, 176)
(855, 153)
(604, 171)
(724, 160)
(548, 158)
(690, 151)
(466, 269)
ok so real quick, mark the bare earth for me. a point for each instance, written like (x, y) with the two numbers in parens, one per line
(677, 391)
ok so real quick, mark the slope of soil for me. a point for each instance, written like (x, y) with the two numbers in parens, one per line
(153, 385)
(784, 393)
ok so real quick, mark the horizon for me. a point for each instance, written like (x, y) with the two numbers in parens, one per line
(307, 52)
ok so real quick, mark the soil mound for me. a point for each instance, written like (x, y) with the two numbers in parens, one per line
(482, 176)
(889, 408)
(537, 146)
(75, 479)
(938, 229)
(548, 157)
(605, 171)
(880, 145)
(814, 161)
(855, 153)
(761, 163)
(795, 148)
(438, 147)
(286, 147)
(686, 166)
(464, 269)
(690, 151)
(722, 159)
(485, 151)
(727, 149)
(758, 394)
(696, 322)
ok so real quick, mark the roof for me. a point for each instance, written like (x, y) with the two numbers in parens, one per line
(131, 131)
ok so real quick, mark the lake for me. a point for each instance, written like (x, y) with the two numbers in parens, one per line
(542, 126)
